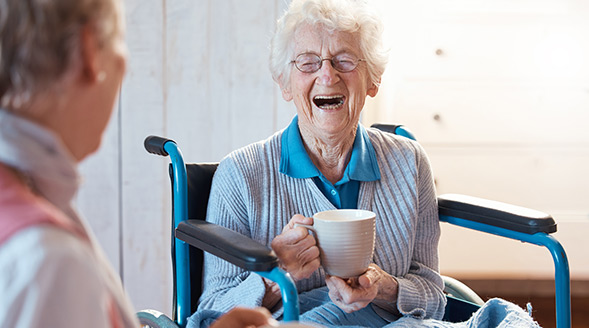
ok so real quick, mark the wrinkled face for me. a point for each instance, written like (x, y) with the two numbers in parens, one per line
(328, 102)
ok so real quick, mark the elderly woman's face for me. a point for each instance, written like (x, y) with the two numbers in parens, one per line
(328, 101)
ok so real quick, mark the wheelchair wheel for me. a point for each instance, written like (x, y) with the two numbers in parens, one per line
(155, 319)
(461, 291)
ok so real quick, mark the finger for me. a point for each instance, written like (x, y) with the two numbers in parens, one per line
(308, 250)
(365, 280)
(312, 265)
(290, 239)
(335, 297)
(244, 317)
(338, 285)
(297, 235)
(340, 301)
(330, 280)
(353, 282)
(297, 218)
(305, 271)
(370, 277)
(289, 248)
(349, 308)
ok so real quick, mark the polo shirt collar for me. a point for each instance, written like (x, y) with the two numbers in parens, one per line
(296, 163)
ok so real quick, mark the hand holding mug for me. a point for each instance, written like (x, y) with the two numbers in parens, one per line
(297, 249)
(353, 294)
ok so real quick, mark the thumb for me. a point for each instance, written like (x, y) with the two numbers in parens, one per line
(365, 281)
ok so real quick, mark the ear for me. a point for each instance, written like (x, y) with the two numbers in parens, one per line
(286, 95)
(90, 71)
(373, 90)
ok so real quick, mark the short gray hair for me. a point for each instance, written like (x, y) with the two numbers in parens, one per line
(352, 16)
(39, 39)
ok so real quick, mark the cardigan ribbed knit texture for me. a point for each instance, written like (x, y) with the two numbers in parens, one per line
(251, 196)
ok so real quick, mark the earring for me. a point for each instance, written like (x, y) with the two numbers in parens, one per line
(101, 76)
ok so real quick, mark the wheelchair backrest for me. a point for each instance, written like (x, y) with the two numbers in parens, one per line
(199, 178)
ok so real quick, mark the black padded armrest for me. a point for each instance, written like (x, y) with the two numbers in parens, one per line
(496, 214)
(390, 128)
(227, 244)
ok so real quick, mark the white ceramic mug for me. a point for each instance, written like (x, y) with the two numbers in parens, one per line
(345, 239)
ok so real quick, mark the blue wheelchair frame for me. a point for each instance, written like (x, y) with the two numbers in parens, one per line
(561, 264)
(456, 215)
(458, 210)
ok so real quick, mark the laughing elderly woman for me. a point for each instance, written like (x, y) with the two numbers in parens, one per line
(326, 56)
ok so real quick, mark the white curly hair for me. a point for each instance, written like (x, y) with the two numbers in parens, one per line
(351, 16)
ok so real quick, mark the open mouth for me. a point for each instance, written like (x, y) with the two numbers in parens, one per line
(329, 102)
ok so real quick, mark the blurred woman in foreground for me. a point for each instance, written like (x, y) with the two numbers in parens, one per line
(61, 67)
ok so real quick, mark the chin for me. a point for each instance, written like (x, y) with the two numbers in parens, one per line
(90, 149)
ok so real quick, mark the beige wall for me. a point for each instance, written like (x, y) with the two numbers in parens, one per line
(508, 72)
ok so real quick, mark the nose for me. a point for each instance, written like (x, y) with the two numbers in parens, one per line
(327, 74)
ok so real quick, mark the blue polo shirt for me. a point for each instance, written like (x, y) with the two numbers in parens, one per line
(296, 163)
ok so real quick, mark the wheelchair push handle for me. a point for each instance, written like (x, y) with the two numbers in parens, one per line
(155, 145)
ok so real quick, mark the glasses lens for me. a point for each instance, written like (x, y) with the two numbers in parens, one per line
(311, 63)
(308, 63)
(344, 63)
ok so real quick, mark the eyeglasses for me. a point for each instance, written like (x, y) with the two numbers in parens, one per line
(311, 63)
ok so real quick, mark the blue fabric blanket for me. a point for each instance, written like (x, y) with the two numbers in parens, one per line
(495, 313)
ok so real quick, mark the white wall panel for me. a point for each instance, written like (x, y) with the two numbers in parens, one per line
(98, 199)
(472, 254)
(498, 94)
(189, 114)
(552, 180)
(494, 113)
(146, 271)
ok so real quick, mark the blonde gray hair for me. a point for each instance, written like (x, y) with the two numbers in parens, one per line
(351, 16)
(39, 40)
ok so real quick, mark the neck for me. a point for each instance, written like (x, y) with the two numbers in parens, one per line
(58, 114)
(330, 154)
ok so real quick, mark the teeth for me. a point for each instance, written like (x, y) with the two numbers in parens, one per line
(327, 97)
(328, 102)
(330, 106)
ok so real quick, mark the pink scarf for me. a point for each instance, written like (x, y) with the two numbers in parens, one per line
(20, 208)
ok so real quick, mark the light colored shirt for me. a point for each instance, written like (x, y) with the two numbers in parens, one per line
(250, 195)
(49, 276)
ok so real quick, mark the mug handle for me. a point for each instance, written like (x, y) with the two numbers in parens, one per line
(310, 227)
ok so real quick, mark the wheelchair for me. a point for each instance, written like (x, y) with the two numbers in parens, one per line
(192, 235)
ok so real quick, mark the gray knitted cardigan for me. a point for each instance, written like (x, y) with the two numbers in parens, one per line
(251, 196)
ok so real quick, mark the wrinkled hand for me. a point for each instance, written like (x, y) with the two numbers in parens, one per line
(353, 294)
(296, 249)
(241, 317)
